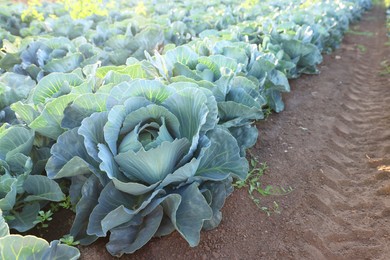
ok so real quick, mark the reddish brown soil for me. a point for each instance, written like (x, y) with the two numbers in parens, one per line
(332, 146)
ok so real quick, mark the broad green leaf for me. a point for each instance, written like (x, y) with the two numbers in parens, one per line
(102, 71)
(158, 115)
(211, 65)
(201, 83)
(212, 115)
(9, 47)
(32, 247)
(92, 130)
(16, 139)
(182, 174)
(133, 188)
(189, 216)
(150, 89)
(189, 106)
(245, 135)
(7, 116)
(82, 107)
(118, 41)
(224, 62)
(69, 157)
(180, 70)
(295, 48)
(274, 99)
(88, 86)
(24, 220)
(248, 85)
(19, 247)
(89, 198)
(241, 96)
(8, 189)
(48, 123)
(42, 188)
(113, 78)
(236, 53)
(131, 237)
(109, 199)
(219, 191)
(108, 164)
(14, 87)
(4, 229)
(59, 251)
(33, 71)
(119, 56)
(25, 112)
(9, 60)
(240, 109)
(51, 85)
(222, 157)
(40, 155)
(147, 40)
(19, 164)
(116, 116)
(279, 81)
(134, 71)
(131, 141)
(66, 64)
(260, 68)
(182, 54)
(112, 201)
(155, 164)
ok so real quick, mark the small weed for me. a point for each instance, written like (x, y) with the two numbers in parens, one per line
(267, 112)
(377, 2)
(356, 27)
(8, 217)
(66, 204)
(255, 187)
(254, 174)
(54, 207)
(43, 216)
(361, 48)
(368, 34)
(274, 208)
(69, 240)
(385, 68)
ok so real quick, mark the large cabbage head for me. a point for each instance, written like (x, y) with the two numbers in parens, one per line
(23, 192)
(159, 163)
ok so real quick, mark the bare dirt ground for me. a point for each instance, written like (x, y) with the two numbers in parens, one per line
(332, 146)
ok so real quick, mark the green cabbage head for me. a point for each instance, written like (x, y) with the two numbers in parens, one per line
(155, 161)
(23, 190)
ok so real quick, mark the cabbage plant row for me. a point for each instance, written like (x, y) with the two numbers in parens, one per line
(143, 116)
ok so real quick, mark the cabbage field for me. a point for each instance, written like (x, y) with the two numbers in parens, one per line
(138, 115)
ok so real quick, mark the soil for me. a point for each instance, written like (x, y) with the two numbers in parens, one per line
(332, 146)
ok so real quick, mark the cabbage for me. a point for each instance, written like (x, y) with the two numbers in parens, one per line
(21, 187)
(154, 162)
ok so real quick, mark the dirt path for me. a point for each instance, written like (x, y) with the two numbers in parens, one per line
(332, 145)
(340, 167)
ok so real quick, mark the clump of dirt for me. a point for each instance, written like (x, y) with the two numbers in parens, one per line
(322, 146)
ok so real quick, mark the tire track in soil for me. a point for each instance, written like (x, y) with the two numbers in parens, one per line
(332, 145)
(345, 212)
(351, 196)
